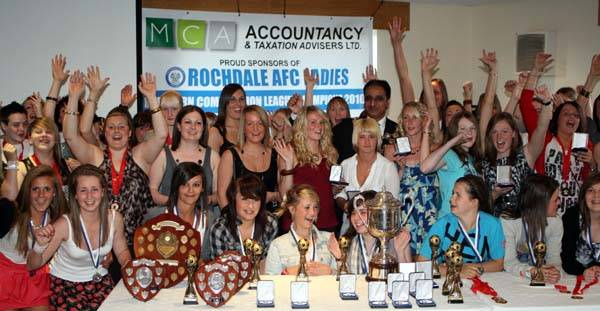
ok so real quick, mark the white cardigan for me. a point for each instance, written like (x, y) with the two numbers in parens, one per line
(383, 174)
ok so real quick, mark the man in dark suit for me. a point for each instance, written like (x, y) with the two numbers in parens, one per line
(377, 101)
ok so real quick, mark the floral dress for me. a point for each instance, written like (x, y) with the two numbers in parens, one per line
(422, 189)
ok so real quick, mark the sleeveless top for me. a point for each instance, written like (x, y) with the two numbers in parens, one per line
(8, 246)
(134, 197)
(318, 178)
(74, 264)
(165, 184)
(226, 143)
(268, 177)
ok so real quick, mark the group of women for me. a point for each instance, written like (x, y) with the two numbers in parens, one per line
(267, 177)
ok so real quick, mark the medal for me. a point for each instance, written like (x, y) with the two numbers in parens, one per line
(114, 206)
(485, 288)
(95, 256)
(468, 238)
(33, 226)
(116, 178)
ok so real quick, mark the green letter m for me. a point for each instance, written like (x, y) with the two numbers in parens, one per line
(159, 33)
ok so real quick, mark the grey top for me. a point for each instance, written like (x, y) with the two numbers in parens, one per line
(165, 183)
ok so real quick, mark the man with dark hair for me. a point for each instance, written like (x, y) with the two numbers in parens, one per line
(377, 102)
(13, 119)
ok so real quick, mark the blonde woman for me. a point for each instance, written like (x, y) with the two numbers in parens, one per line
(251, 155)
(308, 160)
(302, 202)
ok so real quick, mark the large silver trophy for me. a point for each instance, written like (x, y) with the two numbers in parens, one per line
(384, 224)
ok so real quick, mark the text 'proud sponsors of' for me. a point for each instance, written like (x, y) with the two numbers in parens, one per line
(197, 53)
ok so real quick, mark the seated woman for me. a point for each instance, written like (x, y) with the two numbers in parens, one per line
(581, 241)
(39, 202)
(302, 202)
(78, 240)
(479, 233)
(363, 245)
(246, 217)
(367, 169)
(537, 207)
(188, 200)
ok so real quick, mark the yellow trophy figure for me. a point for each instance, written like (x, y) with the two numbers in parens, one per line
(537, 277)
(191, 264)
(344, 244)
(455, 295)
(303, 249)
(434, 244)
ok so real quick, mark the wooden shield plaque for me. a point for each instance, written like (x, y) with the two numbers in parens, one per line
(143, 278)
(240, 263)
(216, 283)
(169, 240)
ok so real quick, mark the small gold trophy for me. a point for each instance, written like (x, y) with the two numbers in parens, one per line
(434, 244)
(344, 243)
(455, 295)
(302, 248)
(191, 264)
(253, 250)
(537, 277)
(449, 271)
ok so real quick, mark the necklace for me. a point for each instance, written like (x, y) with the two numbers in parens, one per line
(262, 153)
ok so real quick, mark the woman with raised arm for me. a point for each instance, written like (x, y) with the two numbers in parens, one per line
(46, 151)
(78, 240)
(569, 168)
(470, 224)
(302, 202)
(225, 132)
(396, 37)
(536, 221)
(125, 169)
(252, 155)
(189, 144)
(188, 200)
(39, 202)
(308, 160)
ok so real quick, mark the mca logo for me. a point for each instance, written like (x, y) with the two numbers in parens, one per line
(175, 77)
(190, 34)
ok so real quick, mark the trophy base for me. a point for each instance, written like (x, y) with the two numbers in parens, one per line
(188, 301)
(252, 285)
(455, 300)
(537, 283)
(302, 278)
(436, 275)
(379, 271)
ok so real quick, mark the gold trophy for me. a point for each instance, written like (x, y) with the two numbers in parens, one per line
(434, 244)
(344, 243)
(253, 250)
(537, 277)
(191, 264)
(303, 249)
(455, 295)
(449, 271)
(383, 224)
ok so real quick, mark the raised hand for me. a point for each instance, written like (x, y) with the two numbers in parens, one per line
(543, 92)
(76, 84)
(59, 73)
(295, 103)
(310, 80)
(395, 30)
(285, 151)
(370, 74)
(36, 99)
(557, 100)
(147, 85)
(127, 96)
(509, 86)
(95, 83)
(522, 79)
(10, 152)
(429, 60)
(489, 60)
(542, 60)
(468, 90)
(43, 235)
(595, 66)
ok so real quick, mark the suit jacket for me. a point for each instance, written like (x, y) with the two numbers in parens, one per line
(342, 136)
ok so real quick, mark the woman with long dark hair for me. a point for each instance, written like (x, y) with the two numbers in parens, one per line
(225, 132)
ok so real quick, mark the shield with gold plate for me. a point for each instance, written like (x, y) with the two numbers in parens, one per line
(169, 240)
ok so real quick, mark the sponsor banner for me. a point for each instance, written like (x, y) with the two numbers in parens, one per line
(198, 53)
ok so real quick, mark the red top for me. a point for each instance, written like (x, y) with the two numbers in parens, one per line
(318, 178)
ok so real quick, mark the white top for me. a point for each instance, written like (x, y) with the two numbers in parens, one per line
(74, 264)
(8, 246)
(26, 148)
(383, 174)
(283, 252)
(516, 245)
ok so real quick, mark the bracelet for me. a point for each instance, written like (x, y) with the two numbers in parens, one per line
(548, 103)
(37, 248)
(12, 165)
(51, 98)
(155, 110)
(584, 93)
(73, 113)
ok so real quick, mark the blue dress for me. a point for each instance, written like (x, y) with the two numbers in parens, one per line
(422, 188)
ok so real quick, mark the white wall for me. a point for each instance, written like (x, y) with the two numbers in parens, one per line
(88, 32)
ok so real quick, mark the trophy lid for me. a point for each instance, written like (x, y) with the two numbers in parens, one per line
(383, 200)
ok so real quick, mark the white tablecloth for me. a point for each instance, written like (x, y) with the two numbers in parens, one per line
(323, 295)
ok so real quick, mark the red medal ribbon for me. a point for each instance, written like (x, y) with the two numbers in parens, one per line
(482, 287)
(36, 161)
(117, 178)
(562, 288)
(578, 291)
(169, 140)
(566, 168)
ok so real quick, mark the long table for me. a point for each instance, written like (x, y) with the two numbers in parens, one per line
(323, 295)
